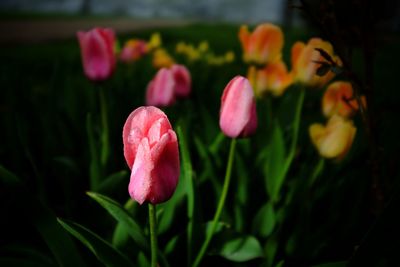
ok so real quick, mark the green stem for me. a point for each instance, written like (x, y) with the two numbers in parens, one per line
(104, 135)
(221, 204)
(295, 134)
(153, 234)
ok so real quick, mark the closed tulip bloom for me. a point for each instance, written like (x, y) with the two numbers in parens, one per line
(151, 152)
(161, 59)
(304, 67)
(161, 90)
(183, 81)
(334, 140)
(338, 99)
(133, 50)
(263, 45)
(238, 117)
(273, 78)
(97, 51)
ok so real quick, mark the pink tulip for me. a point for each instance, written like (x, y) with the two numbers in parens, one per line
(97, 50)
(182, 79)
(151, 152)
(238, 117)
(160, 90)
(167, 85)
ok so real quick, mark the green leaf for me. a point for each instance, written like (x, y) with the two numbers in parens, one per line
(242, 249)
(332, 264)
(264, 221)
(275, 162)
(8, 178)
(121, 215)
(103, 250)
(113, 182)
(56, 238)
(121, 235)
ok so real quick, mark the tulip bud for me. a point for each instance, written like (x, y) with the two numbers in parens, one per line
(273, 78)
(263, 45)
(305, 60)
(133, 50)
(97, 51)
(151, 152)
(238, 117)
(334, 140)
(182, 80)
(161, 90)
(339, 99)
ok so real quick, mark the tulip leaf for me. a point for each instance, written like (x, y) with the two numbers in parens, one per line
(264, 221)
(275, 162)
(122, 216)
(112, 182)
(103, 250)
(241, 249)
(8, 178)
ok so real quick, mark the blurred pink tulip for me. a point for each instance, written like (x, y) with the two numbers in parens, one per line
(151, 152)
(167, 85)
(238, 117)
(183, 82)
(133, 50)
(97, 51)
(160, 90)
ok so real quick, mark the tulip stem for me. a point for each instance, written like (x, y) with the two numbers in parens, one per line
(153, 234)
(221, 204)
(104, 135)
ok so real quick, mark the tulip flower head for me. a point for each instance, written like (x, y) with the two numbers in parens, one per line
(151, 152)
(263, 45)
(161, 59)
(167, 85)
(97, 51)
(304, 62)
(161, 90)
(339, 99)
(183, 80)
(133, 50)
(273, 78)
(238, 117)
(334, 140)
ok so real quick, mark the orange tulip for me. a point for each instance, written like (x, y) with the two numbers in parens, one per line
(304, 66)
(273, 78)
(334, 140)
(338, 99)
(262, 46)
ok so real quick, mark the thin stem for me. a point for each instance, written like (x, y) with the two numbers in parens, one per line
(105, 131)
(153, 234)
(221, 204)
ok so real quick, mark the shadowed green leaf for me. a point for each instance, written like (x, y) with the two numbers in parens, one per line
(103, 250)
(241, 249)
(122, 216)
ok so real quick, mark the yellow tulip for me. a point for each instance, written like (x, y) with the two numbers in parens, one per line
(161, 59)
(334, 140)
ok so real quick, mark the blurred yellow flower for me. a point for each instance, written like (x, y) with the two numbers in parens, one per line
(338, 99)
(304, 66)
(155, 41)
(273, 78)
(263, 45)
(203, 47)
(161, 59)
(334, 140)
(229, 57)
